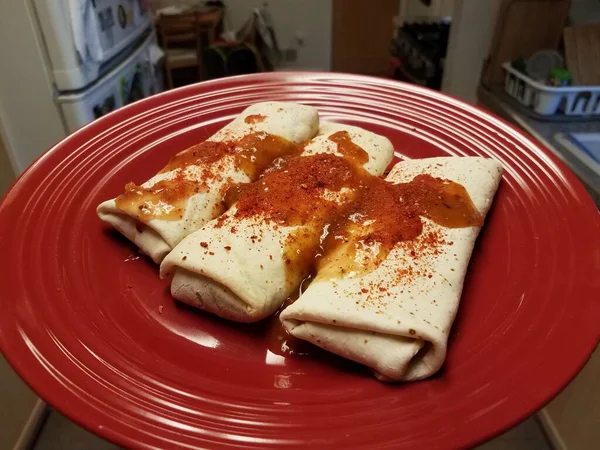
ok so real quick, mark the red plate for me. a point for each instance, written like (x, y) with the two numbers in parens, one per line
(81, 317)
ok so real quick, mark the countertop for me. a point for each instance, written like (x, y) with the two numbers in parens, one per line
(544, 131)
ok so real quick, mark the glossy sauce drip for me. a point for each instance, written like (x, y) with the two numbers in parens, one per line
(384, 214)
(349, 149)
(395, 212)
(303, 192)
(255, 152)
(254, 118)
(167, 199)
(279, 341)
(207, 152)
(372, 213)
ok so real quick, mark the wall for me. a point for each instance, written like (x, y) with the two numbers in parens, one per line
(31, 123)
(308, 19)
(7, 176)
(415, 10)
(585, 11)
(470, 37)
(471, 32)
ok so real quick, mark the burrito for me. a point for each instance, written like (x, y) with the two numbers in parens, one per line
(243, 265)
(386, 293)
(188, 192)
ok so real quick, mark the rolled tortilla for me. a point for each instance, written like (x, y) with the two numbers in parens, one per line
(236, 267)
(396, 319)
(156, 236)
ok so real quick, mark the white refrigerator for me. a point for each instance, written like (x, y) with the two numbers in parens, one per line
(65, 63)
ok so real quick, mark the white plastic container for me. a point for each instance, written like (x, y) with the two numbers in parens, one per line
(549, 100)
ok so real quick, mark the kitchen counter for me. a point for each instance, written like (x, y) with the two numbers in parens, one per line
(571, 420)
(545, 132)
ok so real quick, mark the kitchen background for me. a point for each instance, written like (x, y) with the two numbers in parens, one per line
(68, 62)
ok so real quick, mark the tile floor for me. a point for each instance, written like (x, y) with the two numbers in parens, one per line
(60, 433)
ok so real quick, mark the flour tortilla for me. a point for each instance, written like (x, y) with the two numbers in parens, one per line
(294, 122)
(242, 279)
(402, 332)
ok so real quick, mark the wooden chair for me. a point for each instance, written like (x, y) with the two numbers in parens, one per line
(181, 41)
(209, 22)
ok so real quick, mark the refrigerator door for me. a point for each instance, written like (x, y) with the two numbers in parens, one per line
(99, 28)
(132, 80)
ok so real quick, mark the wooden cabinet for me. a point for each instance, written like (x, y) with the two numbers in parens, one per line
(361, 35)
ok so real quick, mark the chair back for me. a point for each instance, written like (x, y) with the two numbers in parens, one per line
(177, 29)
